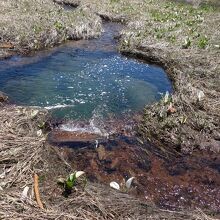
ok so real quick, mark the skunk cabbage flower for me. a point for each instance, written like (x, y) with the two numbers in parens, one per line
(115, 185)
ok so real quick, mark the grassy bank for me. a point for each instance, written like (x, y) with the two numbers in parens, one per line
(185, 41)
(27, 26)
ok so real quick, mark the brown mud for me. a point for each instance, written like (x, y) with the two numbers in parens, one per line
(168, 179)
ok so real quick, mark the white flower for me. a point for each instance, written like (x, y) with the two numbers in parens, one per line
(115, 185)
(200, 95)
(129, 182)
(79, 173)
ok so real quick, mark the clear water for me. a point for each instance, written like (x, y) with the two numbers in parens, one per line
(83, 78)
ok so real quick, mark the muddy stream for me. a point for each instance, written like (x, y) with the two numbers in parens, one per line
(98, 95)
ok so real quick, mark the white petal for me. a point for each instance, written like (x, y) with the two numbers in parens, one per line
(166, 97)
(79, 173)
(34, 113)
(39, 133)
(115, 185)
(129, 182)
(200, 95)
(71, 177)
(24, 193)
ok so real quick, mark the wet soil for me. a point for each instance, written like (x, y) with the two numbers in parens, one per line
(168, 179)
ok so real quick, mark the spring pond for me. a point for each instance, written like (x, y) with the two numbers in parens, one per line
(83, 78)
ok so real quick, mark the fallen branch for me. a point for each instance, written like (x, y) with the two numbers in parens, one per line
(36, 191)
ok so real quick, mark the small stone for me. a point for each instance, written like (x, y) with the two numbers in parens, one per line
(101, 152)
(3, 97)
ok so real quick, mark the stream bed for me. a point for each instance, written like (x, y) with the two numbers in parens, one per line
(100, 93)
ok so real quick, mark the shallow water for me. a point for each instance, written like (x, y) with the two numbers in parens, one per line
(169, 180)
(83, 78)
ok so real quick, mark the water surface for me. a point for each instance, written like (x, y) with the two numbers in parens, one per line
(83, 78)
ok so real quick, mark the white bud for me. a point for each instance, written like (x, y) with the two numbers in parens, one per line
(115, 185)
(129, 182)
(24, 193)
(79, 173)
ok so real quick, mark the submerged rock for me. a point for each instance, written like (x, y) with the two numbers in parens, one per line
(67, 138)
(3, 97)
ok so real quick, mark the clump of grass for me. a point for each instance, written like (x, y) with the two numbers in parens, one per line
(203, 42)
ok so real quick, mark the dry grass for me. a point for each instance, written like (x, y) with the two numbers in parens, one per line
(43, 23)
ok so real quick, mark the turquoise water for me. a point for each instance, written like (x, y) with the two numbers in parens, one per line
(81, 79)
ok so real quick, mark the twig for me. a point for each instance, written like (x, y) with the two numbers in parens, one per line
(36, 191)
